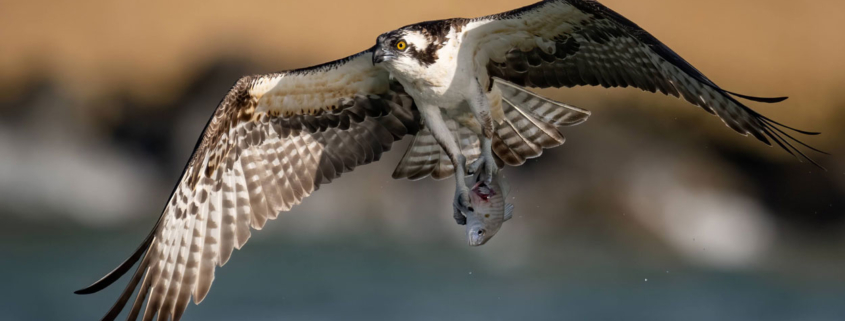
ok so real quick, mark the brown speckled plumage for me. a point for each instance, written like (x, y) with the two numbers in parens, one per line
(246, 168)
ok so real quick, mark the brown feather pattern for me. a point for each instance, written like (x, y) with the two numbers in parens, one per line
(248, 166)
(605, 49)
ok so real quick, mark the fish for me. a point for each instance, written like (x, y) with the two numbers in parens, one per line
(489, 208)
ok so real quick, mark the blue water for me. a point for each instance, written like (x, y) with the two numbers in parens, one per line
(376, 278)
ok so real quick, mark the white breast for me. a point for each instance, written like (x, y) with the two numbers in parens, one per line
(444, 83)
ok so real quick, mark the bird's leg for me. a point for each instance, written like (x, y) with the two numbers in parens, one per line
(480, 106)
(435, 123)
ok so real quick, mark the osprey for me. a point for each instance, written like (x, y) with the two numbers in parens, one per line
(457, 86)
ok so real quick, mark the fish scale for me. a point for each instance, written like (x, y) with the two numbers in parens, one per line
(490, 209)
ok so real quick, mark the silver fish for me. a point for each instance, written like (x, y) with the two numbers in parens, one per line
(489, 209)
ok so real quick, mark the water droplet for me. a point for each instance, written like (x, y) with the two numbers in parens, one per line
(646, 280)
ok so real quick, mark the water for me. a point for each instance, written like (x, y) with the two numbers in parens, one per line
(357, 277)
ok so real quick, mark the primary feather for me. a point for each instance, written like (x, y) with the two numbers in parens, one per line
(266, 148)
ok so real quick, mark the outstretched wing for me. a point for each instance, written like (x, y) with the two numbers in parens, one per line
(559, 43)
(273, 140)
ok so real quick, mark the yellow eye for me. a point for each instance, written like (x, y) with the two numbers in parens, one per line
(401, 45)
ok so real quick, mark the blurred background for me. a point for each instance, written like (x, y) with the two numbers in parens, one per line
(652, 210)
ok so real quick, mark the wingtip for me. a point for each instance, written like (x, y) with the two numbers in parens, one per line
(121, 269)
(772, 131)
(94, 287)
(767, 100)
(101, 283)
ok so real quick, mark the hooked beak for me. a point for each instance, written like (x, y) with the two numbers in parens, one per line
(380, 56)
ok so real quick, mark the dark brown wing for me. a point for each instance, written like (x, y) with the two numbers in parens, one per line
(273, 141)
(581, 42)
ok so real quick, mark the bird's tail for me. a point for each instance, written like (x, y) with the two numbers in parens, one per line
(530, 123)
(425, 157)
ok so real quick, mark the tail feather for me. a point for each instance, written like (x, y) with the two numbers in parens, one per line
(530, 128)
(425, 157)
(529, 124)
(421, 157)
(514, 137)
(547, 110)
(505, 153)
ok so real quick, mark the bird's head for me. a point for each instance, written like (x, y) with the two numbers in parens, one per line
(405, 50)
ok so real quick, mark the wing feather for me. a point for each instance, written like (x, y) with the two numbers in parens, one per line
(251, 182)
(210, 254)
(557, 43)
(243, 206)
(269, 144)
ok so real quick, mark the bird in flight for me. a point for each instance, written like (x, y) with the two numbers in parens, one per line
(458, 86)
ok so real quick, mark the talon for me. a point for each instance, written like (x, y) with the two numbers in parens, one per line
(460, 218)
(473, 167)
(490, 170)
(460, 205)
(489, 166)
(461, 202)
